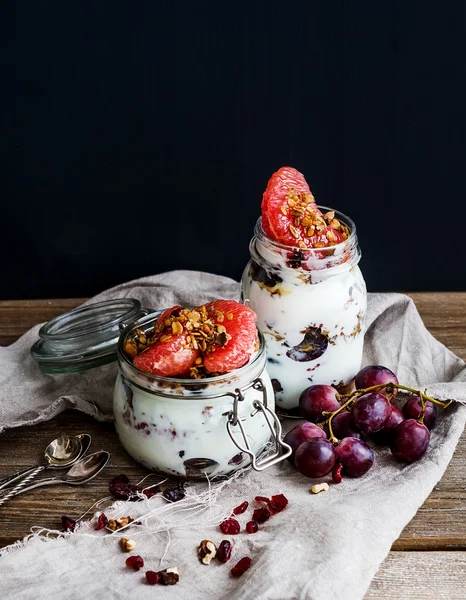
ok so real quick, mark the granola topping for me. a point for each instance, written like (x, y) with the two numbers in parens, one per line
(303, 214)
(206, 333)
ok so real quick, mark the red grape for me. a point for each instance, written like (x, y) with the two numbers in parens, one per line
(412, 410)
(301, 433)
(315, 458)
(411, 441)
(342, 426)
(317, 399)
(370, 412)
(355, 456)
(385, 436)
(374, 375)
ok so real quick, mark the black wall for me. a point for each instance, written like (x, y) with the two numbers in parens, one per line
(138, 137)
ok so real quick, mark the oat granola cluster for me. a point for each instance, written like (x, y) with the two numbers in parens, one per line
(303, 214)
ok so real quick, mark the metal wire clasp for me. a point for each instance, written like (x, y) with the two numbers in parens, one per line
(281, 451)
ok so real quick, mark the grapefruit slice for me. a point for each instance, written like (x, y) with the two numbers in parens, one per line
(237, 346)
(170, 354)
(291, 216)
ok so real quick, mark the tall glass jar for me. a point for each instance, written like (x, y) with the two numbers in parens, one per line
(311, 306)
(191, 428)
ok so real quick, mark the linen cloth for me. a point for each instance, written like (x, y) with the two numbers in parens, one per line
(326, 546)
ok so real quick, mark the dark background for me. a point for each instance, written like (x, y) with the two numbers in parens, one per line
(138, 137)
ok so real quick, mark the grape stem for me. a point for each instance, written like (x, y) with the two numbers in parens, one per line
(391, 389)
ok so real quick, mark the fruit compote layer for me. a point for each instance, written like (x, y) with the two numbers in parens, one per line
(310, 305)
(178, 425)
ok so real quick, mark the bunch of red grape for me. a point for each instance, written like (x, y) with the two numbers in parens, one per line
(351, 420)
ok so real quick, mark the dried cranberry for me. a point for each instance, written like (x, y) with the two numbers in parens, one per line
(135, 562)
(277, 503)
(261, 515)
(224, 551)
(239, 510)
(262, 499)
(68, 523)
(241, 567)
(230, 527)
(124, 491)
(149, 491)
(119, 479)
(252, 527)
(102, 522)
(152, 577)
(174, 494)
(336, 473)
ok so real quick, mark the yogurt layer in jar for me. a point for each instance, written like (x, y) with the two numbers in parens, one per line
(311, 305)
(190, 428)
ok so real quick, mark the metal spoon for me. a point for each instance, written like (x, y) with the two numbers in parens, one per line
(60, 453)
(81, 472)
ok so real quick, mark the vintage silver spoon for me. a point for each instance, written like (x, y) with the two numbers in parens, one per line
(81, 472)
(61, 453)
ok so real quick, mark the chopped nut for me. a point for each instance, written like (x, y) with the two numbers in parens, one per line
(229, 316)
(294, 232)
(169, 576)
(301, 244)
(329, 216)
(207, 551)
(345, 231)
(221, 329)
(335, 223)
(198, 361)
(331, 235)
(319, 487)
(177, 327)
(165, 338)
(112, 524)
(283, 209)
(127, 545)
(123, 521)
(130, 348)
(194, 316)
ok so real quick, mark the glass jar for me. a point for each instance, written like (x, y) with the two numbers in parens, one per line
(182, 427)
(311, 307)
(191, 428)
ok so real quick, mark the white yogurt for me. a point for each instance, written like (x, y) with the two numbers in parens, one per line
(313, 320)
(179, 427)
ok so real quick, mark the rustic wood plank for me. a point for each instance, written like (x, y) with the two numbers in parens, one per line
(17, 316)
(444, 315)
(420, 576)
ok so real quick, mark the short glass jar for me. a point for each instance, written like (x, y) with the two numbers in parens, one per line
(311, 306)
(191, 428)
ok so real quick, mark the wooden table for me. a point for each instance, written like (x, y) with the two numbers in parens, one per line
(428, 561)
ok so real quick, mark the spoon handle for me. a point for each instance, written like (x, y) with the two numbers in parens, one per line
(38, 484)
(6, 481)
(21, 485)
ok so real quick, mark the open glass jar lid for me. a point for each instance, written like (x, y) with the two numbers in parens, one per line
(85, 337)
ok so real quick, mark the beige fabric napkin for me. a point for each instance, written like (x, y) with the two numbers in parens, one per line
(327, 546)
